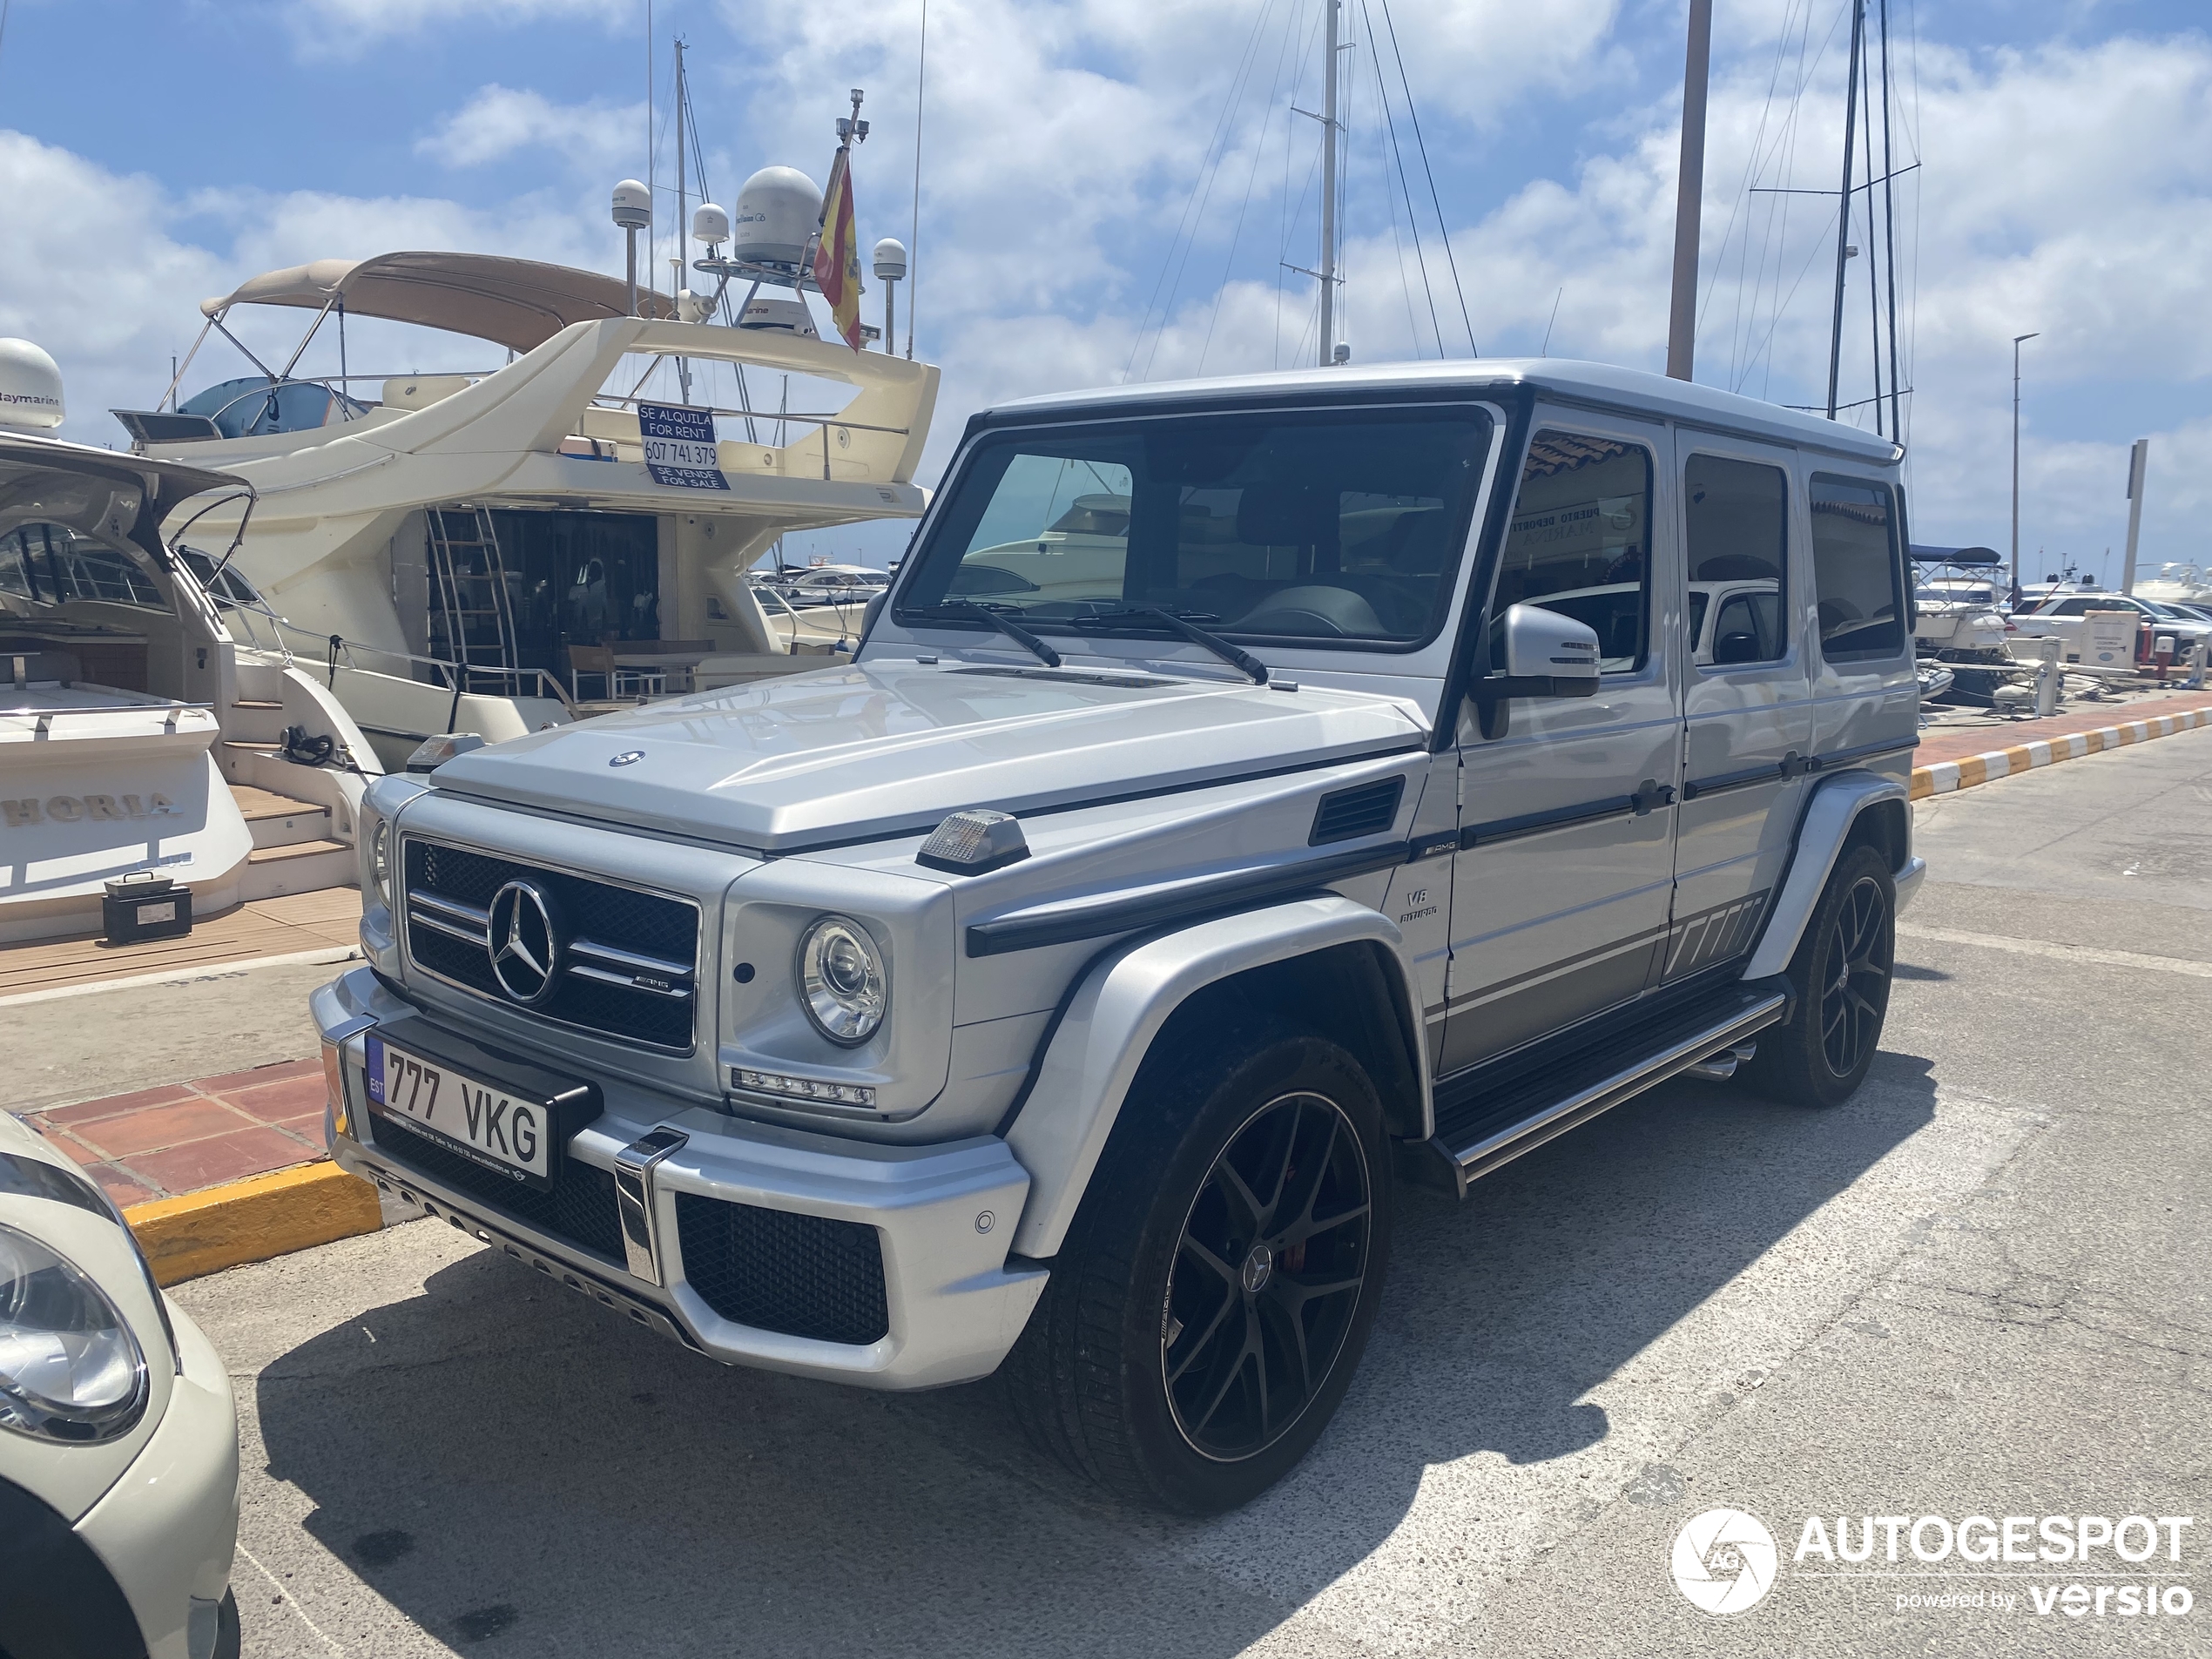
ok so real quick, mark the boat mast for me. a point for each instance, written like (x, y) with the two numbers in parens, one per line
(1843, 211)
(1329, 131)
(1873, 287)
(1888, 222)
(676, 281)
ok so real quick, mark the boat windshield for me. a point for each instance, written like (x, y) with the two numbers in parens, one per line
(1311, 529)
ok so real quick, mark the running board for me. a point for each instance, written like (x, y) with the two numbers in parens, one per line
(1480, 1135)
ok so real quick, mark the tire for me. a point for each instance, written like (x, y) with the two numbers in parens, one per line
(1842, 974)
(1211, 1301)
(229, 1635)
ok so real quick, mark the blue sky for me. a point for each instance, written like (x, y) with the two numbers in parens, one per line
(151, 155)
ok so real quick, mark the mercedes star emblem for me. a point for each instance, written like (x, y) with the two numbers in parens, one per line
(628, 757)
(524, 942)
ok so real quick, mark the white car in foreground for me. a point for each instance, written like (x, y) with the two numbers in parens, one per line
(118, 1445)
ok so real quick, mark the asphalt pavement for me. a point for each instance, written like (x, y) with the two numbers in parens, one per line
(1978, 1288)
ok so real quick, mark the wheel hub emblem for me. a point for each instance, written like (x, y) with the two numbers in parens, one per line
(1259, 1267)
(524, 942)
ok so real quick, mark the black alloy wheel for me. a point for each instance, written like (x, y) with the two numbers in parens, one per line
(1207, 1307)
(1266, 1277)
(1855, 977)
(1841, 976)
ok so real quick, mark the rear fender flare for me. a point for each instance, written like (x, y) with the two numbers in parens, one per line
(1836, 805)
(1121, 1005)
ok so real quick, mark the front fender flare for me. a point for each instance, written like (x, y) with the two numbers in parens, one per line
(1120, 1007)
(1835, 806)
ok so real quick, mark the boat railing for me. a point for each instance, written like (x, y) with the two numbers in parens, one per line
(335, 651)
(46, 715)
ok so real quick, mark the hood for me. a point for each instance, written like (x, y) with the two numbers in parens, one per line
(857, 752)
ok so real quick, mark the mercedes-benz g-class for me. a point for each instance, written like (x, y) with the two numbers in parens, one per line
(1250, 795)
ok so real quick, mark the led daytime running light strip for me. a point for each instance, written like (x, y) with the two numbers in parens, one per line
(774, 1083)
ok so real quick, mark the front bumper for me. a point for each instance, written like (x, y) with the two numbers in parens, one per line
(166, 1531)
(942, 1216)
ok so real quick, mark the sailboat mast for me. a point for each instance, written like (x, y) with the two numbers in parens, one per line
(1843, 211)
(676, 283)
(1873, 288)
(1888, 222)
(1328, 267)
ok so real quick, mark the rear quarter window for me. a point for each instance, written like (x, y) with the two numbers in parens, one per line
(1857, 583)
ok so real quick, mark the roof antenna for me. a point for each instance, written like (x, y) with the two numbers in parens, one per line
(1562, 294)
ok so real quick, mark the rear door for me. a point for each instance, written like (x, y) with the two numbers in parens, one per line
(1565, 865)
(1746, 694)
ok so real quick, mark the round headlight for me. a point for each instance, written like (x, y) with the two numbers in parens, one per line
(70, 1368)
(379, 860)
(841, 979)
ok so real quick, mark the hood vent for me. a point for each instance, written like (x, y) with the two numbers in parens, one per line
(1367, 809)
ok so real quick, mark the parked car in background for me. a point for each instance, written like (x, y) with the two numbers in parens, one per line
(118, 1444)
(826, 584)
(2064, 615)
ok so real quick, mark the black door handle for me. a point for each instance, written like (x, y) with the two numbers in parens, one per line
(1650, 793)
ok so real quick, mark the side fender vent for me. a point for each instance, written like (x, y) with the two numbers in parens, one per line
(1366, 809)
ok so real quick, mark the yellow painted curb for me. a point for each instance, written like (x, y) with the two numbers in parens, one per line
(1945, 776)
(253, 1219)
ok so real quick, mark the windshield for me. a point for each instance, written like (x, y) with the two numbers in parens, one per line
(1305, 528)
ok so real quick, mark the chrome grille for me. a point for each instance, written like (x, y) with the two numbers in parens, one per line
(628, 970)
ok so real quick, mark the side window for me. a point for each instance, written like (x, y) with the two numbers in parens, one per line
(1855, 568)
(1737, 516)
(1581, 542)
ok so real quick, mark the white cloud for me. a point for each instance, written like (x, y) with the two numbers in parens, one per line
(342, 28)
(500, 121)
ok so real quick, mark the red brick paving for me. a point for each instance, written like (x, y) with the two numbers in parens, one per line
(150, 1128)
(85, 1111)
(1960, 742)
(156, 1143)
(223, 1157)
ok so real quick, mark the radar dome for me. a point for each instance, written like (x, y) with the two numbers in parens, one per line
(890, 259)
(710, 225)
(30, 387)
(633, 205)
(776, 214)
(779, 317)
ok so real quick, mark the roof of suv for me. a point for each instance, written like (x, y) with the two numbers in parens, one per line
(1600, 383)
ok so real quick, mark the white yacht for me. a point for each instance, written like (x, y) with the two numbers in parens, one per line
(2177, 584)
(119, 688)
(494, 552)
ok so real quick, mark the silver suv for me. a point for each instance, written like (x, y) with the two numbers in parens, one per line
(1252, 795)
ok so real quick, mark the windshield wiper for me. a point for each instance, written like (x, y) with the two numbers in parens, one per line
(1235, 656)
(1006, 625)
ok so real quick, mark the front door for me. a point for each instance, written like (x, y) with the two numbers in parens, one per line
(1566, 859)
(1746, 694)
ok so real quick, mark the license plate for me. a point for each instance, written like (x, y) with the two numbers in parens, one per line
(486, 1123)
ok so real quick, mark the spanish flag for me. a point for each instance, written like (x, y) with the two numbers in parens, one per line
(837, 254)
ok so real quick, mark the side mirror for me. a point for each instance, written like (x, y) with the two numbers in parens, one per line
(1545, 653)
(1548, 654)
(1738, 648)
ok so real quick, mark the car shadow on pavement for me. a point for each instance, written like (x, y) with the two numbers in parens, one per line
(516, 1470)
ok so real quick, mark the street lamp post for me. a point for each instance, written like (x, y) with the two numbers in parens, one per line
(2017, 339)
